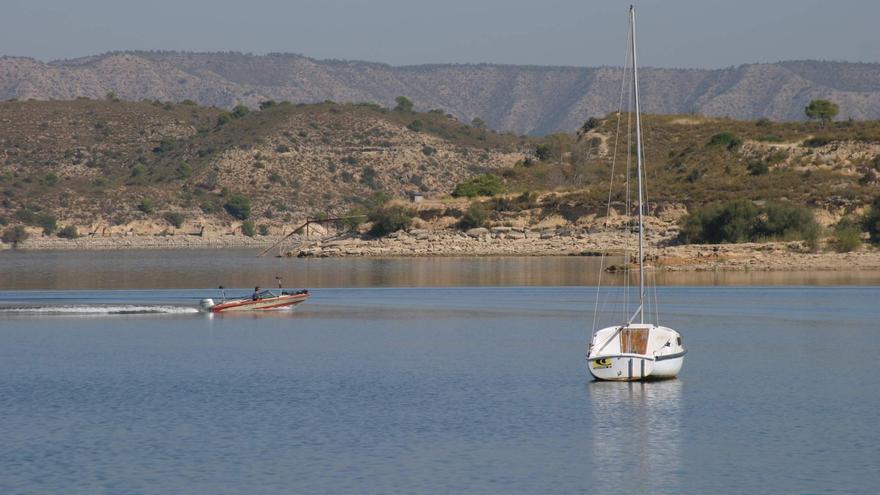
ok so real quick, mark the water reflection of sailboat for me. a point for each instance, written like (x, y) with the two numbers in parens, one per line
(636, 432)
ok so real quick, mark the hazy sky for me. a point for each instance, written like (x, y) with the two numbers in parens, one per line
(672, 33)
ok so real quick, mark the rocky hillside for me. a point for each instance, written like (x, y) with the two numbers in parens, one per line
(521, 99)
(121, 165)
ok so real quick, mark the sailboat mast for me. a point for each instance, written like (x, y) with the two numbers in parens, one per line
(632, 13)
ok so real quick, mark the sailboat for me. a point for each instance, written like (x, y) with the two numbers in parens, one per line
(635, 349)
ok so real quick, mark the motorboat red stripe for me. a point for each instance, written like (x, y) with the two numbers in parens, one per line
(260, 304)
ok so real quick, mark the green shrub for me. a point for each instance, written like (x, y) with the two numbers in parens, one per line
(847, 236)
(50, 179)
(368, 177)
(475, 216)
(786, 221)
(248, 229)
(14, 235)
(817, 142)
(68, 232)
(47, 222)
(210, 207)
(481, 185)
(872, 221)
(239, 111)
(165, 145)
(591, 124)
(404, 104)
(758, 168)
(263, 229)
(741, 221)
(146, 206)
(138, 171)
(224, 118)
(725, 139)
(387, 219)
(416, 126)
(173, 218)
(238, 205)
(26, 215)
(428, 150)
(719, 222)
(353, 218)
(543, 152)
(184, 170)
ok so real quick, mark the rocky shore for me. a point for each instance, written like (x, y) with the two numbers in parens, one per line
(502, 241)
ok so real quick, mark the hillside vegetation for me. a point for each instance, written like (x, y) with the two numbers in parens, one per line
(104, 163)
(151, 167)
(523, 99)
(698, 160)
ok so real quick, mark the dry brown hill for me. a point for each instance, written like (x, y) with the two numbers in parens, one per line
(146, 166)
(521, 99)
(107, 163)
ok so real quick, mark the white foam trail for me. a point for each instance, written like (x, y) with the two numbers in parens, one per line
(121, 309)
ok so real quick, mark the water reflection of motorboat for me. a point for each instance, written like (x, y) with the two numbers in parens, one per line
(649, 439)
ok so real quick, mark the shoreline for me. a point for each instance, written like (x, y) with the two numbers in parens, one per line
(497, 242)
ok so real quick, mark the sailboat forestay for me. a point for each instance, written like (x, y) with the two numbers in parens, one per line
(635, 349)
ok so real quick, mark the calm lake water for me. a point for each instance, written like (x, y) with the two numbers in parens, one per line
(420, 390)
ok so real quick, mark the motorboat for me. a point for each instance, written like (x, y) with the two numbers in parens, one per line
(261, 301)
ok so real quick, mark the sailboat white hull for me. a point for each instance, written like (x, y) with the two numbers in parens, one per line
(635, 352)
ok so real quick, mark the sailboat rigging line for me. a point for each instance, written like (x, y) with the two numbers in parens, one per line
(611, 184)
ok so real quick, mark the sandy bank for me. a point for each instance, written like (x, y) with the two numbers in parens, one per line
(504, 241)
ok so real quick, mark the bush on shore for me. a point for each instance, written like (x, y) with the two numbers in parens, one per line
(68, 232)
(174, 218)
(387, 219)
(248, 228)
(847, 236)
(14, 235)
(475, 216)
(743, 221)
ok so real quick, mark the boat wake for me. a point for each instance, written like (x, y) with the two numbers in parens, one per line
(98, 310)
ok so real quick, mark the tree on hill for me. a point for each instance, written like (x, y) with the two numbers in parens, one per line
(478, 123)
(238, 205)
(404, 104)
(822, 110)
(240, 111)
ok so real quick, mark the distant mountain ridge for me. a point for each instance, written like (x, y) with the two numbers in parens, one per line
(521, 99)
